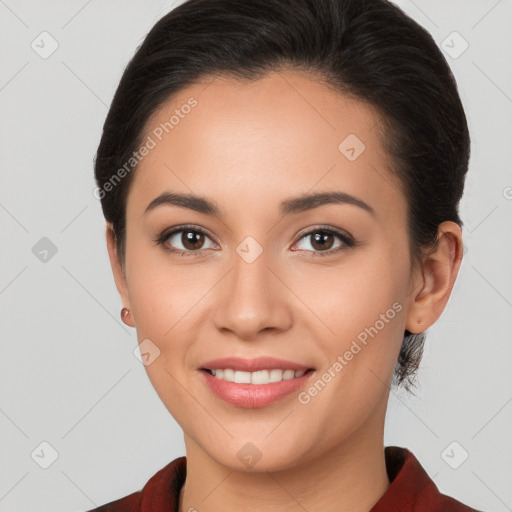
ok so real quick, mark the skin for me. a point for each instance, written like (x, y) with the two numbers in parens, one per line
(247, 146)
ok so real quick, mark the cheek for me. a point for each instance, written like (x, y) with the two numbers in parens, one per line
(359, 315)
(165, 298)
(168, 301)
(350, 295)
(363, 310)
(163, 292)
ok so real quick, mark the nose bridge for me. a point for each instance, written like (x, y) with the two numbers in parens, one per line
(250, 261)
(250, 278)
(250, 298)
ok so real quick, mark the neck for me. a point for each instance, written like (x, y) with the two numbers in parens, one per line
(352, 477)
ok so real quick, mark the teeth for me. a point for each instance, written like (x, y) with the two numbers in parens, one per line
(259, 377)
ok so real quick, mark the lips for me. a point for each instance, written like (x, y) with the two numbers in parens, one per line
(253, 365)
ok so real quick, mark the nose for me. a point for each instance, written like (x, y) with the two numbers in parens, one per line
(252, 298)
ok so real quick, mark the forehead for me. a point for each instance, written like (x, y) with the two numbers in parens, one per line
(267, 139)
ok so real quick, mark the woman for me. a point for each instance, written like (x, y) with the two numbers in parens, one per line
(280, 181)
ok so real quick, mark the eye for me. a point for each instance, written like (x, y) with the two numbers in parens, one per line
(321, 240)
(191, 238)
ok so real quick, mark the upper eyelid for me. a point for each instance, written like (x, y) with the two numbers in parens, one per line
(335, 231)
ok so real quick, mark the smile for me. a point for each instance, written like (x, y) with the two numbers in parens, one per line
(255, 389)
(259, 377)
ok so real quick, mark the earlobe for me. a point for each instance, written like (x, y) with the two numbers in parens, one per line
(117, 268)
(438, 273)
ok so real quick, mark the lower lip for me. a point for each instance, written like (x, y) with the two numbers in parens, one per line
(254, 395)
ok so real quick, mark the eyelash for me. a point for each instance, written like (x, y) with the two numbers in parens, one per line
(348, 242)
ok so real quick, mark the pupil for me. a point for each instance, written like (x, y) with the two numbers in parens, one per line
(321, 238)
(190, 237)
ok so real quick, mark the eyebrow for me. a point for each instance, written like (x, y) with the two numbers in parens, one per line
(289, 206)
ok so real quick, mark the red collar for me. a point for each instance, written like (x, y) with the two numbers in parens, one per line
(411, 489)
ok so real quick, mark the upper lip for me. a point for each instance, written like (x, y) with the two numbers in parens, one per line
(253, 365)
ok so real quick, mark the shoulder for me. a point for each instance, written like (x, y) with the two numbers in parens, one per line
(130, 503)
(161, 492)
(412, 489)
(445, 503)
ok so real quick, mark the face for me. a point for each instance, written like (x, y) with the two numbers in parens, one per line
(325, 285)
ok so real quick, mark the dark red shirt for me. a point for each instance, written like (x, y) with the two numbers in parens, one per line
(411, 489)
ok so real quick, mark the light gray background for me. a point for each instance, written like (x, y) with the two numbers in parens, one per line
(68, 373)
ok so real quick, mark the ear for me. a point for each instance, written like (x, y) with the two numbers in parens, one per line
(117, 269)
(435, 279)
